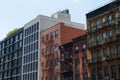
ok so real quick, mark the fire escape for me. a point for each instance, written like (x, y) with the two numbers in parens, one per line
(66, 71)
(48, 56)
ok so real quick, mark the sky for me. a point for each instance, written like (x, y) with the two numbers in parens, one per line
(16, 13)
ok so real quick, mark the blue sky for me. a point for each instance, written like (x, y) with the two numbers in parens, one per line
(16, 13)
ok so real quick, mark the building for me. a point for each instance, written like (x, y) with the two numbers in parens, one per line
(32, 30)
(51, 58)
(103, 47)
(11, 49)
(80, 58)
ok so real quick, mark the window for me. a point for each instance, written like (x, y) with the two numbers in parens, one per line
(118, 50)
(113, 71)
(56, 61)
(110, 19)
(117, 32)
(106, 73)
(112, 52)
(51, 49)
(43, 38)
(116, 15)
(37, 25)
(83, 47)
(100, 73)
(104, 37)
(99, 55)
(92, 40)
(56, 47)
(51, 35)
(76, 49)
(103, 20)
(85, 76)
(83, 62)
(110, 34)
(56, 77)
(93, 74)
(47, 37)
(16, 38)
(56, 34)
(92, 26)
(76, 63)
(62, 56)
(97, 24)
(20, 44)
(20, 36)
(47, 50)
(77, 77)
(42, 64)
(93, 56)
(43, 51)
(98, 39)
(105, 52)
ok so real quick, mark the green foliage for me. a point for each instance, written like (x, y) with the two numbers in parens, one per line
(12, 32)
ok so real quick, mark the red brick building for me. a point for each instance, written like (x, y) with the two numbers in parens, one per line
(79, 58)
(50, 56)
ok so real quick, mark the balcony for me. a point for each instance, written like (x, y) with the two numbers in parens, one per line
(95, 60)
(109, 58)
(66, 70)
(48, 41)
(108, 24)
(47, 68)
(47, 54)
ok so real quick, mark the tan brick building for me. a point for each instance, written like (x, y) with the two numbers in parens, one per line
(103, 36)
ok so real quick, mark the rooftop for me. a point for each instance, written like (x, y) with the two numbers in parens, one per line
(103, 9)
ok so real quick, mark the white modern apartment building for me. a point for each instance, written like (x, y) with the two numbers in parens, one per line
(31, 42)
